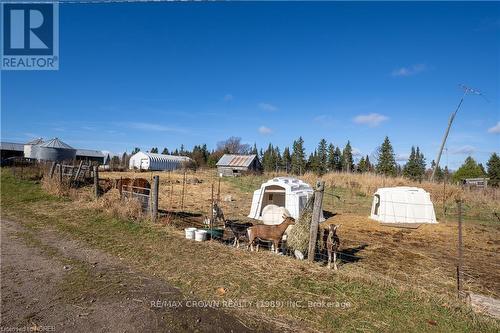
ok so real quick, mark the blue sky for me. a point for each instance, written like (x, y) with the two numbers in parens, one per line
(166, 74)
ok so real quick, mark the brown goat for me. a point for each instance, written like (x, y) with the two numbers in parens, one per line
(332, 245)
(272, 233)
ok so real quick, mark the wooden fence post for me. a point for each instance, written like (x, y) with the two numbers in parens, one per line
(460, 249)
(96, 181)
(78, 171)
(316, 214)
(154, 198)
(183, 190)
(52, 169)
(60, 170)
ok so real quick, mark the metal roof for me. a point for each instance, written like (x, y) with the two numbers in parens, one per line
(35, 142)
(236, 160)
(89, 153)
(11, 146)
(162, 157)
(56, 143)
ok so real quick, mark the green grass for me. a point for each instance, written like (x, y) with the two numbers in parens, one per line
(203, 267)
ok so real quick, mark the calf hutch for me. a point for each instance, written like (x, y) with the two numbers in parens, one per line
(402, 206)
(235, 165)
(287, 192)
(157, 162)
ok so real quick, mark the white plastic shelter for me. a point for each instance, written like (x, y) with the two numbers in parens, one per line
(402, 205)
(287, 192)
(156, 162)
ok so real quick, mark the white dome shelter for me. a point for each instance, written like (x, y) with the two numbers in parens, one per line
(402, 206)
(287, 192)
(157, 162)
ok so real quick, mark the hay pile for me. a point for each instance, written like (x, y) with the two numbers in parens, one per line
(298, 237)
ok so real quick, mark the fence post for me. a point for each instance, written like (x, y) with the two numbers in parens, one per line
(78, 171)
(60, 170)
(96, 181)
(52, 169)
(316, 214)
(460, 249)
(183, 190)
(154, 198)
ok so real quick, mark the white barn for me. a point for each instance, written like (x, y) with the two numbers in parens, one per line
(402, 206)
(287, 192)
(157, 162)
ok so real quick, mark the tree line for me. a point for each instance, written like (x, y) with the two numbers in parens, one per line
(327, 157)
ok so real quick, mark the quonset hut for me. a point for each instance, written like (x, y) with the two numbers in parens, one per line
(157, 162)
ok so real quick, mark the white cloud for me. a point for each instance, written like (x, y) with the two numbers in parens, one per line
(228, 97)
(495, 129)
(410, 70)
(372, 119)
(152, 127)
(265, 130)
(402, 157)
(464, 150)
(268, 107)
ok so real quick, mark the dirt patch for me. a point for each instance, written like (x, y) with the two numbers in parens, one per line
(55, 282)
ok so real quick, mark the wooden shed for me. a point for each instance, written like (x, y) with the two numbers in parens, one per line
(235, 165)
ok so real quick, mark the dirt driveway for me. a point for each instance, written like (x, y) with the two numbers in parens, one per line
(52, 283)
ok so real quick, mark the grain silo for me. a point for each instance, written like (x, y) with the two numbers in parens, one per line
(28, 151)
(54, 150)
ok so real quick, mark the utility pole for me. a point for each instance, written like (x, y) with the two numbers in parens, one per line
(467, 90)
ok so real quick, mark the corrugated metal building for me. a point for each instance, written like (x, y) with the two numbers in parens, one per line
(11, 149)
(234, 165)
(157, 162)
(31, 149)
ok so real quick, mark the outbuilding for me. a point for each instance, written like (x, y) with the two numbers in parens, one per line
(157, 162)
(287, 192)
(235, 165)
(402, 206)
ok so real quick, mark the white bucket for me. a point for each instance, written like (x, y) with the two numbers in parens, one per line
(200, 235)
(190, 233)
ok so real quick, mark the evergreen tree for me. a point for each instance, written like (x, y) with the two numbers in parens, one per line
(136, 150)
(331, 157)
(154, 150)
(298, 157)
(125, 160)
(182, 152)
(114, 163)
(439, 176)
(278, 161)
(369, 166)
(338, 159)
(254, 150)
(469, 169)
(493, 165)
(410, 168)
(362, 165)
(348, 163)
(313, 163)
(386, 162)
(269, 159)
(164, 151)
(287, 160)
(107, 160)
(322, 158)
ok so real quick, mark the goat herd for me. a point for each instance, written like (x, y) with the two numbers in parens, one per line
(252, 233)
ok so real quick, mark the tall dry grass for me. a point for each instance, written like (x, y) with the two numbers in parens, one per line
(112, 204)
(368, 183)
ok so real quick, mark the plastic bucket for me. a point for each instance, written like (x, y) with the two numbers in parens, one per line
(190, 233)
(200, 235)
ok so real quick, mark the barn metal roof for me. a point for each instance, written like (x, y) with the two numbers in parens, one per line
(162, 157)
(11, 146)
(236, 160)
(89, 153)
(56, 143)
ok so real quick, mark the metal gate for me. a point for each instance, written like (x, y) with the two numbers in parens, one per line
(142, 194)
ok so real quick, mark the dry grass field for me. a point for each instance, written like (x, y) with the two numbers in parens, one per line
(423, 257)
(389, 279)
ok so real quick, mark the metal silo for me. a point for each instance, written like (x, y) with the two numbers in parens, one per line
(54, 150)
(29, 152)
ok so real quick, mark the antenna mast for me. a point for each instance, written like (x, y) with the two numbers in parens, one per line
(467, 90)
